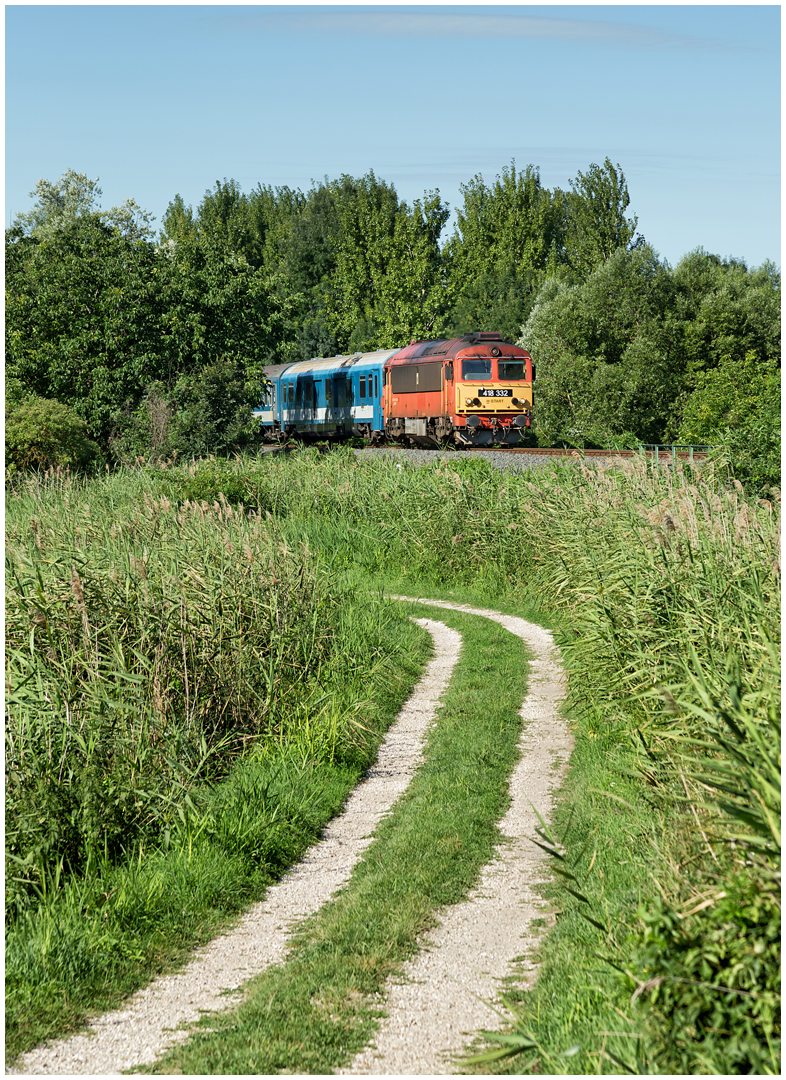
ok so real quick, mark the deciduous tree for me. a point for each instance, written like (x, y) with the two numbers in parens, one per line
(596, 223)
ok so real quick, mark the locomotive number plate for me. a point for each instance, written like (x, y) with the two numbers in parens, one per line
(495, 391)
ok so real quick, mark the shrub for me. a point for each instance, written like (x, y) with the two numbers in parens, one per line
(41, 434)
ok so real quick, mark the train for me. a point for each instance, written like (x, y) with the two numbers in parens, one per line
(475, 390)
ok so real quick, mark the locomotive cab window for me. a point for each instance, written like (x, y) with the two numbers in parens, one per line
(512, 369)
(449, 372)
(478, 369)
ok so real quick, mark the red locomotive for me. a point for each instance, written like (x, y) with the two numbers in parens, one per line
(475, 390)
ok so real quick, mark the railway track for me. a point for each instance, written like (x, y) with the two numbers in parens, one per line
(665, 454)
(662, 454)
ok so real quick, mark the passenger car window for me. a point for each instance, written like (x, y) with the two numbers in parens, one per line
(362, 385)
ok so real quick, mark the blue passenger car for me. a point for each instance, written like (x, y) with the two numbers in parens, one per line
(333, 396)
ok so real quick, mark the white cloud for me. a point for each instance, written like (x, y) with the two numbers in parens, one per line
(454, 23)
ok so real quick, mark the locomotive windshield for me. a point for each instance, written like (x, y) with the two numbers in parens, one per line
(476, 370)
(512, 369)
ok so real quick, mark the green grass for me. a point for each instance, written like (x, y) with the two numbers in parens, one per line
(311, 1014)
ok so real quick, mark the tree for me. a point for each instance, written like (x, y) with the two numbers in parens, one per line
(93, 318)
(605, 370)
(508, 236)
(513, 225)
(82, 317)
(737, 405)
(642, 351)
(596, 223)
(43, 434)
(73, 197)
(388, 284)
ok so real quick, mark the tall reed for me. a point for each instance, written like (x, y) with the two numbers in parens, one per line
(147, 645)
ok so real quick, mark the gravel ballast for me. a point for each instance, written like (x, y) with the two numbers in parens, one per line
(499, 459)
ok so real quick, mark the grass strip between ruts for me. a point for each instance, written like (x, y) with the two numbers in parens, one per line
(313, 1013)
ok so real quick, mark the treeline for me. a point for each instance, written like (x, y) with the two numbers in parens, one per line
(156, 344)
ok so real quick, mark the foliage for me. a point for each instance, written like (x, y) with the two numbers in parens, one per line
(74, 196)
(724, 309)
(515, 224)
(737, 405)
(712, 982)
(41, 434)
(604, 367)
(93, 319)
(147, 646)
(190, 699)
(103, 320)
(669, 585)
(309, 1015)
(205, 413)
(387, 287)
(597, 227)
(623, 352)
(667, 582)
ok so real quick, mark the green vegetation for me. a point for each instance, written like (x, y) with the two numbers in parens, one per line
(312, 1014)
(41, 435)
(189, 700)
(638, 351)
(665, 586)
(180, 640)
(159, 345)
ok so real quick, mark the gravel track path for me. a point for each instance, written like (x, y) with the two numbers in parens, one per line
(140, 1032)
(444, 999)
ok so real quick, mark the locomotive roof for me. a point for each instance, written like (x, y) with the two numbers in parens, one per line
(479, 343)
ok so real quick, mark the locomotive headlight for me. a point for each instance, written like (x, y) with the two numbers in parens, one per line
(468, 401)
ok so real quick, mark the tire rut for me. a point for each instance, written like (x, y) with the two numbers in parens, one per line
(449, 988)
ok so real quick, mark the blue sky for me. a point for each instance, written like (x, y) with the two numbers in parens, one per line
(159, 100)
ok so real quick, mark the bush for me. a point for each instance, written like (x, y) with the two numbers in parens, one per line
(41, 434)
(204, 413)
